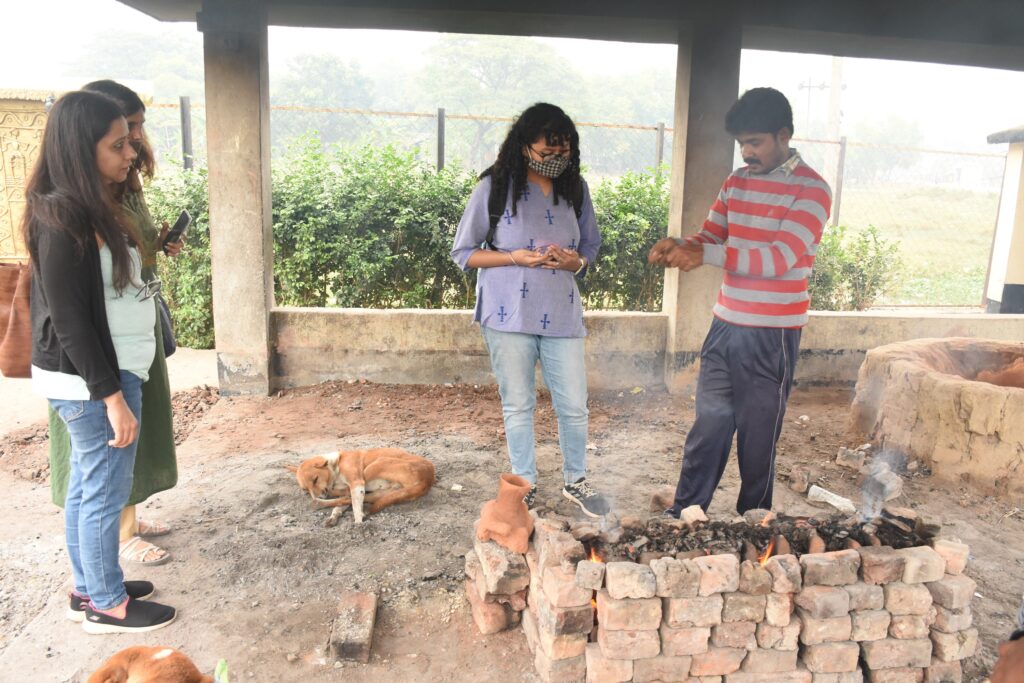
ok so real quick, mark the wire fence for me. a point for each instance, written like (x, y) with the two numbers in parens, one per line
(938, 205)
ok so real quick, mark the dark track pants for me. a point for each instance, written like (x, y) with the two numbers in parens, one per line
(745, 377)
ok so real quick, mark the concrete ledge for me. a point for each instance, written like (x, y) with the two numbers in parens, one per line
(412, 346)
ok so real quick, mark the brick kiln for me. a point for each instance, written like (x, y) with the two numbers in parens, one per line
(699, 601)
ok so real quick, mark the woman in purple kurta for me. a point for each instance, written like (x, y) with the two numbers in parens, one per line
(527, 301)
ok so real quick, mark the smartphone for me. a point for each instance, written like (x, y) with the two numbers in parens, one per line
(179, 228)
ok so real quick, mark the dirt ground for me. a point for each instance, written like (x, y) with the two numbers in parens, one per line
(255, 573)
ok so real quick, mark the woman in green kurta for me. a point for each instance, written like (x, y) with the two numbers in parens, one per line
(156, 466)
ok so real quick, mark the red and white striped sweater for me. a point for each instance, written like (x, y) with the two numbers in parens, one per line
(763, 230)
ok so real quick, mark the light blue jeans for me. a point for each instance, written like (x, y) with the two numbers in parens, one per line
(98, 488)
(514, 359)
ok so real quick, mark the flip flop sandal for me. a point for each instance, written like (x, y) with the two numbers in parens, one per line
(149, 529)
(136, 549)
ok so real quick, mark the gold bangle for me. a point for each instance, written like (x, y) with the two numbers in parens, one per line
(583, 264)
(513, 258)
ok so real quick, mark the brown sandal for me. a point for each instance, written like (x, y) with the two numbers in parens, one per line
(136, 550)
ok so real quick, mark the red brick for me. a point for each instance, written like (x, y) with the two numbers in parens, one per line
(953, 552)
(600, 669)
(954, 646)
(944, 672)
(870, 625)
(717, 661)
(561, 590)
(590, 575)
(880, 565)
(830, 569)
(779, 637)
(530, 630)
(735, 634)
(769, 661)
(489, 617)
(831, 658)
(856, 676)
(661, 669)
(900, 675)
(778, 609)
(628, 644)
(785, 571)
(865, 596)
(680, 642)
(952, 620)
(626, 614)
(676, 578)
(754, 579)
(907, 598)
(572, 670)
(352, 632)
(890, 653)
(564, 646)
(629, 580)
(504, 572)
(743, 607)
(562, 620)
(952, 592)
(908, 627)
(814, 631)
(560, 549)
(718, 574)
(823, 602)
(691, 612)
(923, 564)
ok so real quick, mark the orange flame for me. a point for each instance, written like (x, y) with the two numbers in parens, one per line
(763, 559)
(594, 557)
(768, 518)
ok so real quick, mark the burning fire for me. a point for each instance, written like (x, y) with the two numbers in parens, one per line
(763, 559)
(594, 557)
(768, 518)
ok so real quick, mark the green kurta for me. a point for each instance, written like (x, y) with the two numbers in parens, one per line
(156, 466)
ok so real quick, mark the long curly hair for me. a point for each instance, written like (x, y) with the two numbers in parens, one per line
(540, 120)
(144, 165)
(65, 191)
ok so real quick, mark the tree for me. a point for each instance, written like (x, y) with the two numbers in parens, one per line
(875, 164)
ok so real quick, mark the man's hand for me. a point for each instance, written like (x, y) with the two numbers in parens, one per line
(661, 249)
(685, 257)
(123, 422)
(1010, 666)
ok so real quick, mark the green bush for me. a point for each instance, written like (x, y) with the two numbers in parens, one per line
(186, 280)
(853, 269)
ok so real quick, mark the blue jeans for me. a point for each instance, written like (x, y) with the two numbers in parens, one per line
(514, 359)
(98, 488)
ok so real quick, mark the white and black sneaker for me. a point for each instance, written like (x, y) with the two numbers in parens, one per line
(531, 497)
(136, 590)
(590, 501)
(139, 617)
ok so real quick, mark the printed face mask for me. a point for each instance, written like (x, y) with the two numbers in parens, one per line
(552, 167)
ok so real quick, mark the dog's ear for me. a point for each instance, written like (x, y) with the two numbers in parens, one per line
(318, 461)
(292, 468)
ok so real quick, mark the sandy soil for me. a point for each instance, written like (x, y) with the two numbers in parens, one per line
(255, 572)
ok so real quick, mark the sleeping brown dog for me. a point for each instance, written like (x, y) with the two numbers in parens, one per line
(379, 476)
(142, 664)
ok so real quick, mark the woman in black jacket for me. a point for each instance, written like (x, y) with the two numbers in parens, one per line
(92, 343)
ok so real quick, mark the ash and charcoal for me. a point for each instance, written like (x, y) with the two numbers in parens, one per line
(661, 536)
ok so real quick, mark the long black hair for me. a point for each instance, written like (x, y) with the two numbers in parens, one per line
(541, 119)
(65, 191)
(144, 165)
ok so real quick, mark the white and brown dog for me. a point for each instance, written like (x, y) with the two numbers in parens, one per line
(379, 476)
(142, 664)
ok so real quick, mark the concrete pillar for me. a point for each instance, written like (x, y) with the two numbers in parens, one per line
(1006, 267)
(707, 84)
(238, 144)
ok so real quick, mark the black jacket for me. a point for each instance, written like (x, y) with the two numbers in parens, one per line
(70, 333)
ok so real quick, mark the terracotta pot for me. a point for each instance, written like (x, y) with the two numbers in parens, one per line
(506, 519)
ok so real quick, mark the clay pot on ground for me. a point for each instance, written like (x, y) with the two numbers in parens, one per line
(506, 520)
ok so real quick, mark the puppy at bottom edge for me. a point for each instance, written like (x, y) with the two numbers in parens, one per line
(378, 476)
(141, 664)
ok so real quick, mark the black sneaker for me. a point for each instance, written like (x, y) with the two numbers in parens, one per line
(590, 501)
(139, 616)
(530, 497)
(137, 590)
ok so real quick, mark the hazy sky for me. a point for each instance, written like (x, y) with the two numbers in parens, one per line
(956, 107)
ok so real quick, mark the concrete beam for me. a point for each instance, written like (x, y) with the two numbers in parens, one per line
(238, 143)
(707, 84)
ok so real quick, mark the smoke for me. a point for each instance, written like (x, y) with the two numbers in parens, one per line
(882, 482)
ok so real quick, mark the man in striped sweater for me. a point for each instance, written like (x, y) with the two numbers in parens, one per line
(763, 231)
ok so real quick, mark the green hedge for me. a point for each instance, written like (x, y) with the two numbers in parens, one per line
(373, 228)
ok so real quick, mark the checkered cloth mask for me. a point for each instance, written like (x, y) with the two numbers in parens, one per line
(552, 167)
